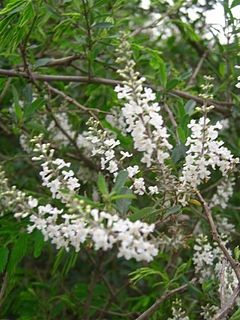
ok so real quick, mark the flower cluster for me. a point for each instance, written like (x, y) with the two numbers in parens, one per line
(104, 144)
(76, 223)
(107, 146)
(208, 263)
(116, 119)
(141, 112)
(15, 200)
(203, 258)
(177, 311)
(208, 311)
(205, 152)
(55, 173)
(224, 193)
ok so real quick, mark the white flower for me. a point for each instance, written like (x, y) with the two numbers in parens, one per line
(139, 186)
(132, 171)
(153, 190)
(32, 202)
(113, 167)
(125, 155)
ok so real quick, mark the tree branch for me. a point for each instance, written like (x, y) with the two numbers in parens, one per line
(234, 264)
(5, 89)
(227, 308)
(166, 296)
(98, 80)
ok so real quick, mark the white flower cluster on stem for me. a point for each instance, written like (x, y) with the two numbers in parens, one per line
(224, 193)
(177, 311)
(76, 223)
(208, 261)
(141, 112)
(15, 200)
(108, 148)
(205, 153)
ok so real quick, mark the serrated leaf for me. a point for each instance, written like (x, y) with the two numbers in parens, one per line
(3, 258)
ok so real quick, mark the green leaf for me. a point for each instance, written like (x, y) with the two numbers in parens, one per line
(38, 244)
(59, 259)
(12, 7)
(143, 213)
(235, 3)
(172, 84)
(120, 181)
(236, 253)
(18, 252)
(103, 25)
(190, 106)
(179, 152)
(3, 258)
(102, 184)
(157, 63)
(174, 209)
(181, 134)
(123, 204)
(18, 112)
(32, 108)
(123, 196)
(236, 315)
(41, 62)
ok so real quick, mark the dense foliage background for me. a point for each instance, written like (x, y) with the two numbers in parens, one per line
(58, 68)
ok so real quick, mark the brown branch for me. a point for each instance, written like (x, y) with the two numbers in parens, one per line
(196, 71)
(82, 157)
(98, 80)
(95, 275)
(62, 61)
(222, 293)
(5, 89)
(73, 101)
(166, 296)
(3, 288)
(227, 308)
(234, 264)
(89, 37)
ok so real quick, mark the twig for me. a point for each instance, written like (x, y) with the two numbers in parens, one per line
(73, 101)
(166, 296)
(234, 264)
(5, 129)
(95, 275)
(195, 73)
(3, 288)
(98, 80)
(226, 309)
(5, 89)
(222, 295)
(89, 37)
(82, 157)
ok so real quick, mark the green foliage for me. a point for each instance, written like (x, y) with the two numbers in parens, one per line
(79, 38)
